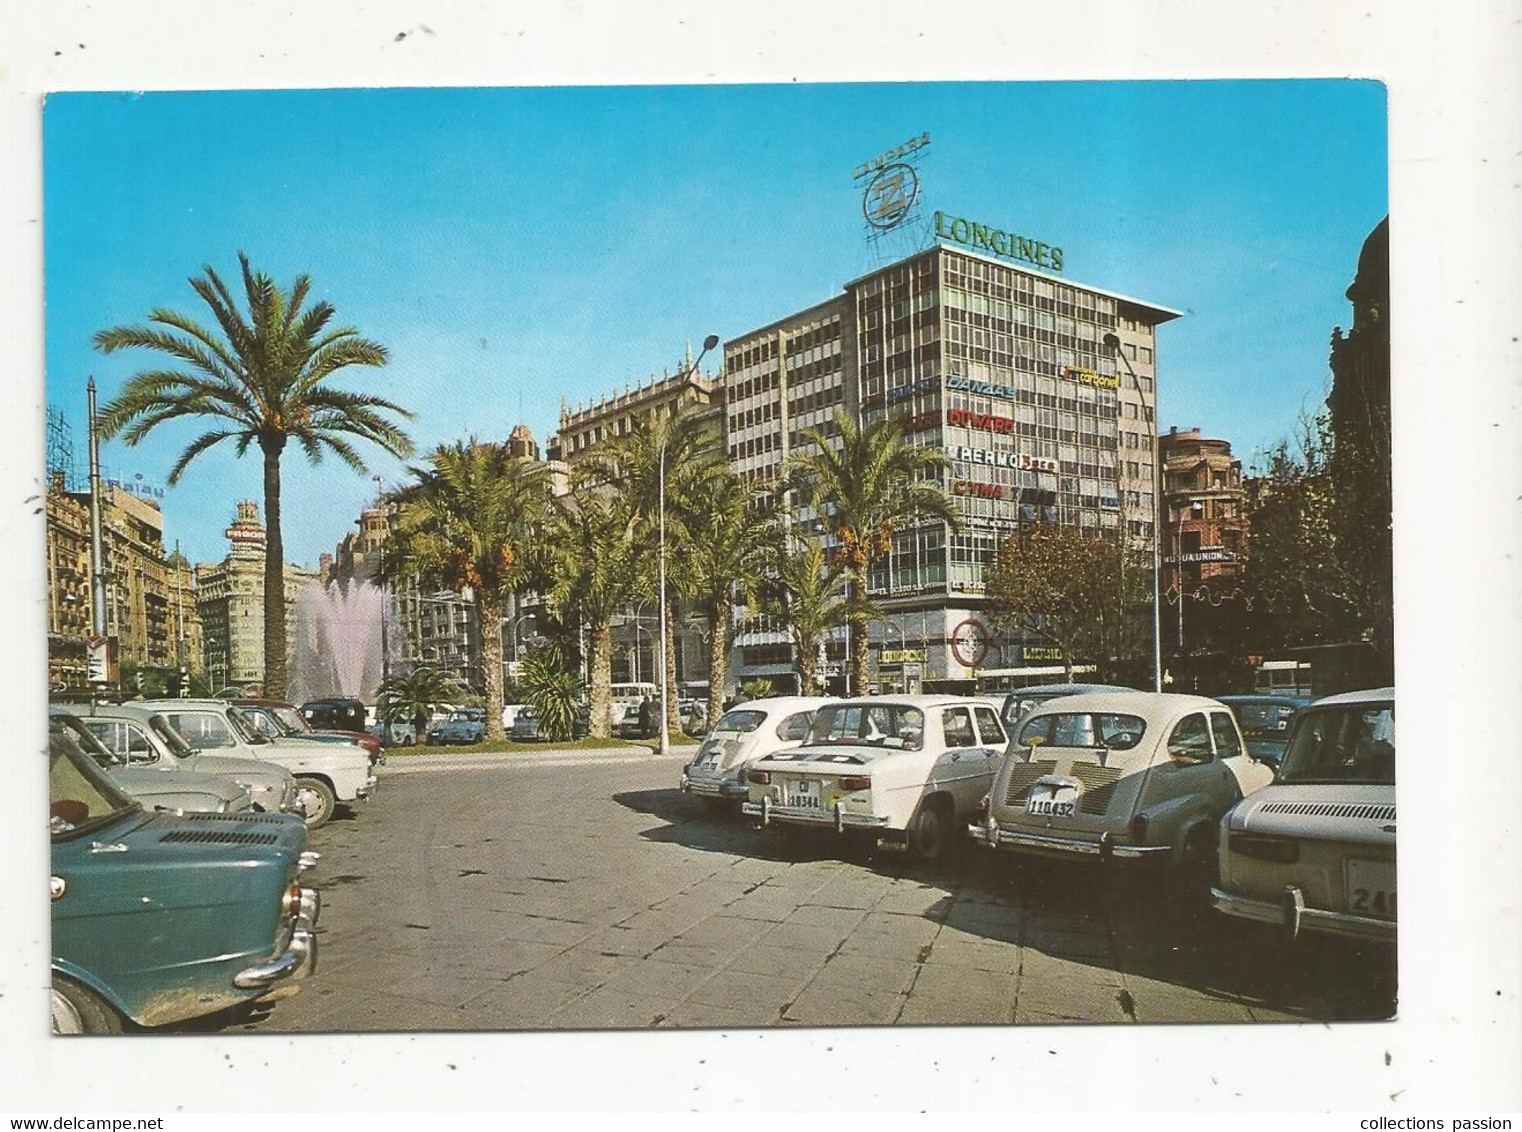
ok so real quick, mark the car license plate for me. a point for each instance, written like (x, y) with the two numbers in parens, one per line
(1052, 801)
(804, 795)
(1371, 888)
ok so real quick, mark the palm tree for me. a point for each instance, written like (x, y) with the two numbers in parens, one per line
(412, 696)
(727, 556)
(264, 380)
(811, 598)
(588, 566)
(691, 448)
(468, 523)
(873, 483)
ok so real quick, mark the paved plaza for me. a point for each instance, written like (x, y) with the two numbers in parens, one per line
(583, 891)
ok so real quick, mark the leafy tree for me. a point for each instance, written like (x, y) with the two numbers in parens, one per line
(551, 689)
(757, 689)
(810, 597)
(467, 524)
(587, 567)
(728, 551)
(410, 696)
(870, 485)
(690, 446)
(264, 379)
(1073, 588)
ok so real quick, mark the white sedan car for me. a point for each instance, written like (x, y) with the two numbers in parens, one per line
(754, 729)
(895, 768)
(1315, 851)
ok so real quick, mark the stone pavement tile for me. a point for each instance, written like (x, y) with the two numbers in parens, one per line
(582, 967)
(1156, 1001)
(985, 911)
(842, 920)
(764, 959)
(801, 877)
(912, 898)
(709, 1016)
(671, 982)
(437, 990)
(981, 955)
(767, 904)
(538, 930)
(849, 893)
(762, 995)
(1043, 966)
(808, 937)
(1077, 945)
(522, 1001)
(867, 972)
(618, 940)
(665, 921)
(835, 1005)
(1070, 998)
(711, 958)
(923, 1010)
(606, 1009)
(989, 931)
(723, 931)
(965, 984)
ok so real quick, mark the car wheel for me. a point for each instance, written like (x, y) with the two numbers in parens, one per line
(79, 1010)
(317, 798)
(930, 830)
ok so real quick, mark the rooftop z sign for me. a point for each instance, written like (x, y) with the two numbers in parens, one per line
(890, 195)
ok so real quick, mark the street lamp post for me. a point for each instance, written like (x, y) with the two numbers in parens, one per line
(1112, 342)
(708, 344)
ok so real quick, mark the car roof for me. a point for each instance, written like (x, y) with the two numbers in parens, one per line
(782, 703)
(1154, 703)
(1292, 701)
(106, 710)
(259, 701)
(1055, 690)
(167, 704)
(1367, 696)
(919, 701)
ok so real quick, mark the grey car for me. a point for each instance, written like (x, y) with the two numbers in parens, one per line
(178, 790)
(146, 740)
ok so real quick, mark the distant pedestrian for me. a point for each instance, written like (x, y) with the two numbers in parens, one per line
(646, 717)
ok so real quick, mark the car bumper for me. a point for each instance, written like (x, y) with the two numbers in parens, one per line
(298, 960)
(838, 817)
(712, 785)
(367, 791)
(1292, 914)
(991, 835)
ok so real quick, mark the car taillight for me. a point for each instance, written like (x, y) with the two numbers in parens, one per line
(856, 782)
(1139, 828)
(759, 777)
(1279, 849)
(290, 903)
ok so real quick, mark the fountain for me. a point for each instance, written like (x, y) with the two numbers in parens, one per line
(335, 634)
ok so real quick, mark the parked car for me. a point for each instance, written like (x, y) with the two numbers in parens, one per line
(277, 719)
(1265, 722)
(1019, 701)
(145, 739)
(744, 734)
(897, 768)
(1315, 851)
(526, 725)
(335, 714)
(326, 773)
(157, 917)
(173, 790)
(1126, 775)
(463, 727)
(394, 734)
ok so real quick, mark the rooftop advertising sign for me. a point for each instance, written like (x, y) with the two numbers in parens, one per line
(999, 242)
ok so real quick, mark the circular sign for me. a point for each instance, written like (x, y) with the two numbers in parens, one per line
(890, 195)
(969, 642)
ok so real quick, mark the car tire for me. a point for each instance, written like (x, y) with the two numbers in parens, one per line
(317, 796)
(930, 830)
(79, 1010)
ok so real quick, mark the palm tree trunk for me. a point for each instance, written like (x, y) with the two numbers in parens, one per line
(673, 714)
(807, 650)
(274, 574)
(489, 618)
(718, 656)
(858, 637)
(600, 671)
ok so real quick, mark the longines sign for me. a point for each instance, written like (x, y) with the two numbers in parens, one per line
(996, 240)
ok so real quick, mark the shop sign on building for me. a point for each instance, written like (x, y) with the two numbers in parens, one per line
(984, 388)
(996, 240)
(990, 458)
(977, 490)
(902, 656)
(988, 422)
(1040, 652)
(1091, 377)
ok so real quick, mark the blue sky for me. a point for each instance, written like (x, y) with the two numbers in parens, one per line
(516, 246)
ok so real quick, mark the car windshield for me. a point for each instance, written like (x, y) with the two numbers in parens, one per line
(202, 730)
(245, 728)
(172, 738)
(899, 726)
(1083, 729)
(87, 741)
(1349, 743)
(290, 720)
(741, 721)
(1264, 720)
(80, 797)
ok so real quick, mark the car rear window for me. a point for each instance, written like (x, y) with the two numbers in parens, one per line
(875, 725)
(1083, 729)
(1344, 744)
(1264, 719)
(742, 722)
(795, 727)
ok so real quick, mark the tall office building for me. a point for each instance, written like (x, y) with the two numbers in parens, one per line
(1003, 369)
